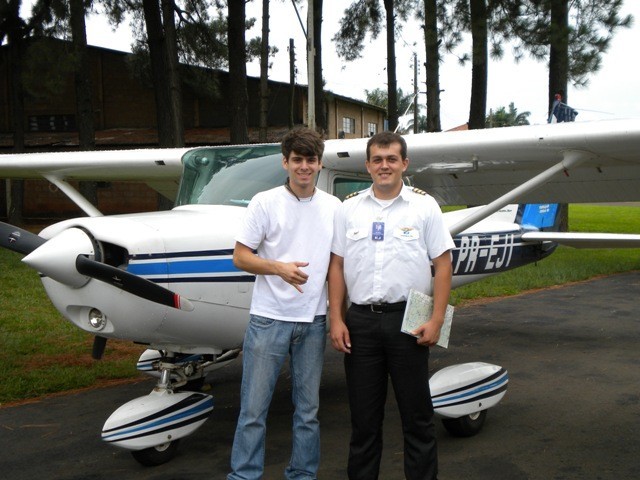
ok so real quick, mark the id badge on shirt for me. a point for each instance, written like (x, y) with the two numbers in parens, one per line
(377, 232)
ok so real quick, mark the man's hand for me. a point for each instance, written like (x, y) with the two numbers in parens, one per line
(339, 334)
(428, 333)
(291, 273)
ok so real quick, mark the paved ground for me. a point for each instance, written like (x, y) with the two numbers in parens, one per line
(572, 410)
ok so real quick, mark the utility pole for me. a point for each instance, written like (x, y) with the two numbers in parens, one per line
(292, 81)
(311, 53)
(415, 92)
(264, 73)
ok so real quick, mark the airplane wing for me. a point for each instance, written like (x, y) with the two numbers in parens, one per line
(580, 162)
(572, 162)
(585, 240)
(160, 168)
(140, 164)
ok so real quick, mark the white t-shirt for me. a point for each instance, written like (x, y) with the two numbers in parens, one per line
(388, 246)
(280, 227)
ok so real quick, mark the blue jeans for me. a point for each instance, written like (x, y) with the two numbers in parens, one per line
(267, 344)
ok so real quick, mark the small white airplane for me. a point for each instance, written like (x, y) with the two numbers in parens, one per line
(167, 280)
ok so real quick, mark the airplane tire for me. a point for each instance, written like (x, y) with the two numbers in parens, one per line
(195, 385)
(192, 385)
(466, 426)
(154, 456)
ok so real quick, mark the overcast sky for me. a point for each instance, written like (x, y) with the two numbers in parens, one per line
(613, 92)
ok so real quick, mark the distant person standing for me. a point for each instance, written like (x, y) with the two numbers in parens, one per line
(291, 228)
(385, 241)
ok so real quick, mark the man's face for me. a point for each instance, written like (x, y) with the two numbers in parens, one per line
(386, 166)
(302, 170)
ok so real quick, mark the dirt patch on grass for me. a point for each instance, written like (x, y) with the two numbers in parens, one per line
(99, 383)
(116, 350)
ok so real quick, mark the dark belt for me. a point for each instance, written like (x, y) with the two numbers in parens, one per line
(381, 307)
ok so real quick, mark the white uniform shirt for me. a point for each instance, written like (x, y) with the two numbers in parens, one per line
(385, 270)
(282, 228)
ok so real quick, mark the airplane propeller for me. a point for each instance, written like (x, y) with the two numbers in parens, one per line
(131, 283)
(99, 344)
(58, 258)
(19, 240)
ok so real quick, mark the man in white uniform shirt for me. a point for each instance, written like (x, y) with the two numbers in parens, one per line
(385, 241)
(291, 228)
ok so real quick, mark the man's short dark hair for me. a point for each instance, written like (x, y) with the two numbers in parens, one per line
(303, 141)
(384, 139)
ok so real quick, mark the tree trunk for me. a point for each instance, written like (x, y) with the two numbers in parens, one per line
(392, 83)
(321, 114)
(83, 89)
(15, 41)
(238, 96)
(155, 41)
(264, 73)
(82, 76)
(559, 51)
(432, 66)
(478, 106)
(559, 66)
(173, 73)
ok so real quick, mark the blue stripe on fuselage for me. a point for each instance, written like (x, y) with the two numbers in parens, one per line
(166, 267)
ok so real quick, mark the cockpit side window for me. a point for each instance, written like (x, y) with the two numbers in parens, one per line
(229, 175)
(345, 186)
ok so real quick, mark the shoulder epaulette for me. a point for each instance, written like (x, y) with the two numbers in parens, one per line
(418, 191)
(351, 195)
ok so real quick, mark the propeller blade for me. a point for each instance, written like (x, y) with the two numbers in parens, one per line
(99, 344)
(19, 240)
(131, 283)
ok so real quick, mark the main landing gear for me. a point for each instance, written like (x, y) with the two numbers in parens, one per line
(151, 426)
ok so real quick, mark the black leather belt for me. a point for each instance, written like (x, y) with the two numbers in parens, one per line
(381, 307)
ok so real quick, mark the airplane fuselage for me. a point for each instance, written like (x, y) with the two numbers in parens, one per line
(189, 251)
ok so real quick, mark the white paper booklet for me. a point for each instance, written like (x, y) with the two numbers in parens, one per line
(418, 311)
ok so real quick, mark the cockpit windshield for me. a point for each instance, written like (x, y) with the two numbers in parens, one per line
(229, 175)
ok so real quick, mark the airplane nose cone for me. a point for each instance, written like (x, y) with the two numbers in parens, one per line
(57, 257)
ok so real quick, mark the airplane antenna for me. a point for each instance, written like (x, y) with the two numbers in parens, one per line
(406, 110)
(593, 111)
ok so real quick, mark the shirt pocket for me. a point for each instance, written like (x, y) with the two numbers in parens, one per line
(406, 234)
(355, 234)
(356, 246)
(406, 246)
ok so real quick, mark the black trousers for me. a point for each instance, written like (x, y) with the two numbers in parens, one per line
(379, 351)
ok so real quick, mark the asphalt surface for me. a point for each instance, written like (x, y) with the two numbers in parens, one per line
(572, 410)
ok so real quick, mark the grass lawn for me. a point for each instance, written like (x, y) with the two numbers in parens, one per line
(567, 264)
(41, 353)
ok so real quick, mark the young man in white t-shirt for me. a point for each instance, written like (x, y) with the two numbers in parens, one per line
(291, 228)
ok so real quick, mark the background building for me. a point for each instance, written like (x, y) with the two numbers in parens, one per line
(125, 117)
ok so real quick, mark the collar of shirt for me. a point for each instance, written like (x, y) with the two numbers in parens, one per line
(405, 194)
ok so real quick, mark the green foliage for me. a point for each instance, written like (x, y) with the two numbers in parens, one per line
(365, 17)
(591, 24)
(455, 19)
(360, 18)
(380, 98)
(502, 118)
